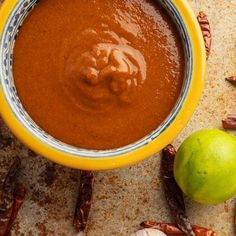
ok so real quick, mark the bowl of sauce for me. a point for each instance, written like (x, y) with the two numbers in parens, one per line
(99, 84)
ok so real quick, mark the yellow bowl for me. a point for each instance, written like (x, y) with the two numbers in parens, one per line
(12, 13)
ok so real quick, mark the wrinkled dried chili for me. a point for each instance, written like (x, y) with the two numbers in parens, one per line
(229, 122)
(84, 200)
(201, 231)
(173, 230)
(231, 79)
(169, 229)
(206, 31)
(11, 199)
(173, 194)
(19, 196)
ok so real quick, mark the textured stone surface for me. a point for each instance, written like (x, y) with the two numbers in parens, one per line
(123, 198)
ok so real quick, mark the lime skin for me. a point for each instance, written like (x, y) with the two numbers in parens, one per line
(205, 166)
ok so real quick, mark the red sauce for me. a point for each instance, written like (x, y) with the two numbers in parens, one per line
(98, 74)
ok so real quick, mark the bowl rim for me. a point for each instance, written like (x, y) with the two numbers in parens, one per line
(143, 152)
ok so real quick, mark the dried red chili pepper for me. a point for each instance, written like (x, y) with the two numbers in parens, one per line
(10, 199)
(206, 31)
(173, 230)
(169, 229)
(229, 122)
(231, 79)
(19, 196)
(175, 200)
(173, 194)
(200, 231)
(84, 200)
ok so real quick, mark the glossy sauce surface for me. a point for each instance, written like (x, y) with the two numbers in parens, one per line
(98, 74)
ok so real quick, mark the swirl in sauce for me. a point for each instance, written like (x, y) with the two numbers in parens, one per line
(106, 74)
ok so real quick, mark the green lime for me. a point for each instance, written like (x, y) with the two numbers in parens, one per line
(205, 166)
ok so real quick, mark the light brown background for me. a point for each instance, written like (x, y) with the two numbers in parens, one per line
(123, 198)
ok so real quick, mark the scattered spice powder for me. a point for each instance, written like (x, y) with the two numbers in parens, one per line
(4, 141)
(206, 31)
(84, 200)
(173, 230)
(229, 122)
(49, 174)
